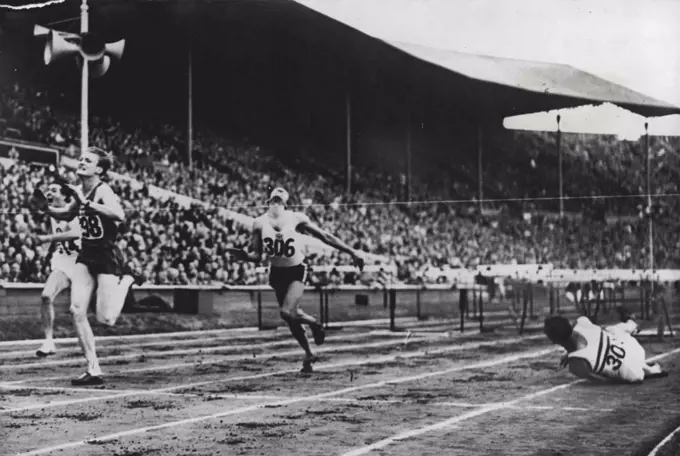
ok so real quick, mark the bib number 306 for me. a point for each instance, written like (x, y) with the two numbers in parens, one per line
(66, 247)
(614, 357)
(279, 248)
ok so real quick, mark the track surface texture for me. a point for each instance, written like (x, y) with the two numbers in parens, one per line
(434, 391)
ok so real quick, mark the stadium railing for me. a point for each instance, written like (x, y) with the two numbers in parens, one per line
(384, 305)
(491, 301)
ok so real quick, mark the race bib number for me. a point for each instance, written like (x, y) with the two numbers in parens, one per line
(91, 227)
(277, 247)
(66, 247)
(614, 357)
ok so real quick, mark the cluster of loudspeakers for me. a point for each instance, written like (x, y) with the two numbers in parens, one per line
(89, 46)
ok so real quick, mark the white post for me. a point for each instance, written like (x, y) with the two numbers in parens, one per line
(84, 83)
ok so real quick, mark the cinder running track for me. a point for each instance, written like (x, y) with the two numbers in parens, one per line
(239, 392)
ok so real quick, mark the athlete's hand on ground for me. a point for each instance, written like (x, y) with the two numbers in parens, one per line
(238, 254)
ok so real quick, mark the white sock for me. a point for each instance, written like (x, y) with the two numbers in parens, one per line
(86, 341)
(653, 369)
(47, 346)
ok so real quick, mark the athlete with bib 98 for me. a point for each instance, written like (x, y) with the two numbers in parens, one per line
(602, 354)
(277, 234)
(99, 266)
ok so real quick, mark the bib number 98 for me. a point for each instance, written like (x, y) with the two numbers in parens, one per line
(91, 227)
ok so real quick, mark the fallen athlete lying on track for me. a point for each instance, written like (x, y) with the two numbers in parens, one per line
(608, 354)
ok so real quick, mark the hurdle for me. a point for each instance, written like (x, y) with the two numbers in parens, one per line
(608, 288)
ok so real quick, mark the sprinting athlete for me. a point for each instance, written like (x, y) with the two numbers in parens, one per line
(100, 262)
(65, 238)
(602, 354)
(277, 234)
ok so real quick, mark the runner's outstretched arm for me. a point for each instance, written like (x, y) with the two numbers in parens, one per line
(329, 239)
(58, 237)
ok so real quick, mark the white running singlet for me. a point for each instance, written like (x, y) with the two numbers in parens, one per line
(281, 241)
(65, 252)
(613, 354)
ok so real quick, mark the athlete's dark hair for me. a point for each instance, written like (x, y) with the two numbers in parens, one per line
(105, 158)
(61, 182)
(558, 329)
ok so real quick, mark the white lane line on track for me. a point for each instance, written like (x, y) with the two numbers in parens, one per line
(350, 400)
(253, 397)
(664, 442)
(73, 340)
(242, 356)
(129, 345)
(123, 344)
(225, 358)
(104, 360)
(250, 408)
(65, 389)
(162, 391)
(227, 331)
(222, 359)
(473, 414)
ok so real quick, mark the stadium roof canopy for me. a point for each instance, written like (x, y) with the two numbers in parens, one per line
(555, 84)
(524, 86)
(485, 87)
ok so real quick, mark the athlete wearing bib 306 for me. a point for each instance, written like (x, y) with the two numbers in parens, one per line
(596, 353)
(282, 244)
(65, 251)
(278, 235)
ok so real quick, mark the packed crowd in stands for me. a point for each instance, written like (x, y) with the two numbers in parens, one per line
(171, 244)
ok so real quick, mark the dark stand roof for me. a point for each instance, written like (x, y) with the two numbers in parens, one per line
(482, 87)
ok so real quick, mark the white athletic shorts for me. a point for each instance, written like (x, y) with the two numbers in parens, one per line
(64, 264)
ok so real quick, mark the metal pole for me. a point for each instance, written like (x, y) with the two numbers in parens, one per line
(190, 114)
(84, 83)
(480, 172)
(650, 298)
(348, 120)
(408, 155)
(559, 155)
(649, 198)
